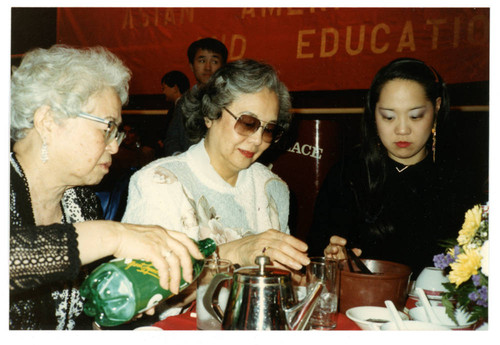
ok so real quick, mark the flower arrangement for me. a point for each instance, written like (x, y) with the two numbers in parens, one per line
(466, 262)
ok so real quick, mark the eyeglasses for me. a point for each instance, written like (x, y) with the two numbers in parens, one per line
(247, 125)
(111, 133)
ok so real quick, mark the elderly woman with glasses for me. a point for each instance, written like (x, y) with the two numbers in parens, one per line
(65, 111)
(217, 189)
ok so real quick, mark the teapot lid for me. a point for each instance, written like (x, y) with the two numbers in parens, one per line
(263, 269)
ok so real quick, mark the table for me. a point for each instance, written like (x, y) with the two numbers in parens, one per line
(187, 322)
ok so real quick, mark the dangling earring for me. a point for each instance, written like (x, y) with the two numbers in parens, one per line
(45, 153)
(434, 135)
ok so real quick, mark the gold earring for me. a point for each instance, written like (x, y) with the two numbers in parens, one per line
(434, 139)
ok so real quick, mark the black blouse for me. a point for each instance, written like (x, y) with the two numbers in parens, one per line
(420, 206)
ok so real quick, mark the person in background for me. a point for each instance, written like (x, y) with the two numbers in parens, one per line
(217, 189)
(133, 154)
(402, 191)
(205, 56)
(65, 112)
(173, 85)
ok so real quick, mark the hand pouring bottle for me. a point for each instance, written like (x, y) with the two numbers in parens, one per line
(118, 290)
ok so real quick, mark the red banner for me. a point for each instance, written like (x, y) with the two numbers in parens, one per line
(312, 48)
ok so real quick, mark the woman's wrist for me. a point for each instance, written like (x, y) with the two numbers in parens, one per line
(226, 251)
(97, 239)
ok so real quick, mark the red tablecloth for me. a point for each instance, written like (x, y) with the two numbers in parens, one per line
(186, 322)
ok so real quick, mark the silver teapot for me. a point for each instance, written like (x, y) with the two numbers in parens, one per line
(261, 298)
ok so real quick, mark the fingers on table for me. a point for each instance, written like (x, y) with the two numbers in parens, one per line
(288, 256)
(285, 249)
(283, 238)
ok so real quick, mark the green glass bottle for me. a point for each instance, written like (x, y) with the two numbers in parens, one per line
(118, 290)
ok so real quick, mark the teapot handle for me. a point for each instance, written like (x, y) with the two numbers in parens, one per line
(210, 305)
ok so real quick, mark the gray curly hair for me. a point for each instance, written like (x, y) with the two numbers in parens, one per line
(227, 84)
(63, 78)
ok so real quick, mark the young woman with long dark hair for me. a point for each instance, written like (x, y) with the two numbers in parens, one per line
(401, 191)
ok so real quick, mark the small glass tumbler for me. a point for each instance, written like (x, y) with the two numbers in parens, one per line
(326, 311)
(204, 320)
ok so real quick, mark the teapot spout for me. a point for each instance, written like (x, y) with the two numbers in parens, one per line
(298, 316)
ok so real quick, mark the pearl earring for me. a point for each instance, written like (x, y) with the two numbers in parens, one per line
(45, 153)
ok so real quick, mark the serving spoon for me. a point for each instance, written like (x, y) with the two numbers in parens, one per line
(431, 316)
(395, 315)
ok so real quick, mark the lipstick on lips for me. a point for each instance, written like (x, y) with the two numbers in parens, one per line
(403, 144)
(247, 154)
(106, 165)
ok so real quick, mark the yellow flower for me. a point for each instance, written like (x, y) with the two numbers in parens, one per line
(466, 265)
(485, 258)
(470, 226)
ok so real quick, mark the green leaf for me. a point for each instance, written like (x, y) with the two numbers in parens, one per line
(447, 243)
(449, 286)
(484, 279)
(450, 309)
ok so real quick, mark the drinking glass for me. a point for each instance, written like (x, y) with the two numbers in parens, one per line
(326, 311)
(204, 320)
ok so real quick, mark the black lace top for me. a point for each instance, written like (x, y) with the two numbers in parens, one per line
(44, 264)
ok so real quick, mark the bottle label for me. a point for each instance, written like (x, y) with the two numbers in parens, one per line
(143, 267)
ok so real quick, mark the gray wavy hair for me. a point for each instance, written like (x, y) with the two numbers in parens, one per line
(226, 85)
(63, 78)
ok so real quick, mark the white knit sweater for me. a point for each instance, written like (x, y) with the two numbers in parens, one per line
(185, 193)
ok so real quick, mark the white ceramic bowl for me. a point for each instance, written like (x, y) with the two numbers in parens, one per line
(431, 280)
(411, 325)
(362, 316)
(432, 302)
(462, 317)
(148, 328)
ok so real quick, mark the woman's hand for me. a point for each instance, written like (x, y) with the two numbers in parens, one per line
(168, 250)
(285, 251)
(335, 249)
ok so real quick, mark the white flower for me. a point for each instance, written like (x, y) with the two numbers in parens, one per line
(484, 252)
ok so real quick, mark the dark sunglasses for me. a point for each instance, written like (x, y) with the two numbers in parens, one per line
(247, 125)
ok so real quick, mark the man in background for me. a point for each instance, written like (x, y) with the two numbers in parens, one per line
(173, 86)
(205, 56)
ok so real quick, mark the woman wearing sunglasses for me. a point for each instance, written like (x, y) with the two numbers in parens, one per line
(65, 111)
(217, 189)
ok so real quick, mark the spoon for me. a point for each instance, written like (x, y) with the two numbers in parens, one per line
(431, 316)
(395, 315)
